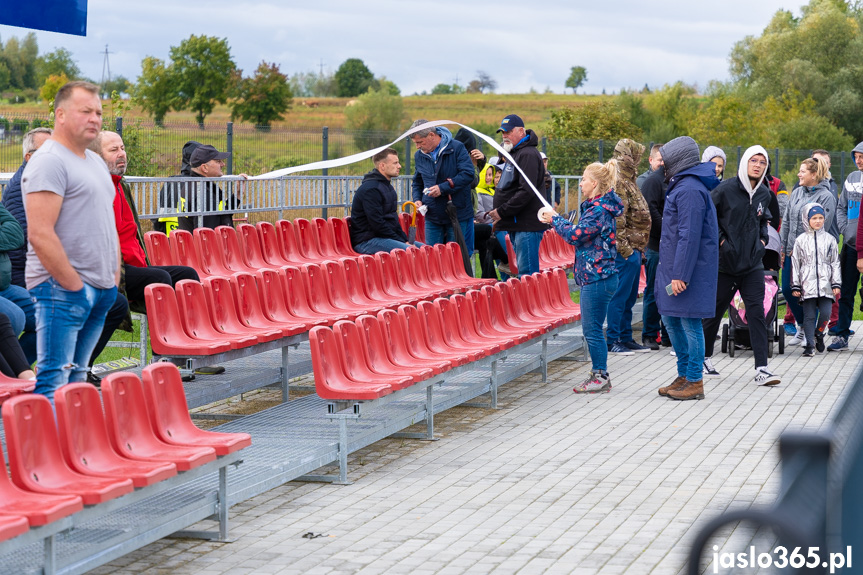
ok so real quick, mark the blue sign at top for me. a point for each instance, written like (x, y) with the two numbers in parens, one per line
(64, 16)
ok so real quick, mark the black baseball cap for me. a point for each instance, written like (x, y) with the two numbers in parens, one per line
(510, 122)
(204, 154)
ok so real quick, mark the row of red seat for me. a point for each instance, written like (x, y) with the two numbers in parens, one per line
(143, 436)
(224, 251)
(554, 253)
(376, 355)
(223, 313)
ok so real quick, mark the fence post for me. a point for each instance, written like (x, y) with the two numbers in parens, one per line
(842, 167)
(775, 172)
(119, 128)
(230, 149)
(325, 140)
(601, 150)
(407, 155)
(545, 145)
(739, 155)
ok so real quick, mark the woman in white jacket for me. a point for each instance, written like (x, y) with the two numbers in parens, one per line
(815, 278)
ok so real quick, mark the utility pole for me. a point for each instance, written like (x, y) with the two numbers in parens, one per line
(322, 68)
(106, 68)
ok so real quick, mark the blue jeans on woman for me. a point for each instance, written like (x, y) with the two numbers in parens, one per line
(620, 307)
(687, 337)
(68, 325)
(594, 306)
(23, 300)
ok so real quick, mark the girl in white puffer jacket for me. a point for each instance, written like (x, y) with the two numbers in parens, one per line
(815, 276)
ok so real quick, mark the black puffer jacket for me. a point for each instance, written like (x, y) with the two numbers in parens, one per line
(517, 204)
(653, 190)
(374, 211)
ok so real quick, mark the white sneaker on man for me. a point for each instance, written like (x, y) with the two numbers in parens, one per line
(764, 376)
(709, 370)
(798, 338)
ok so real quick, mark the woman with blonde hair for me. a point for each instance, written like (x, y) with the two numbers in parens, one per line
(813, 188)
(595, 271)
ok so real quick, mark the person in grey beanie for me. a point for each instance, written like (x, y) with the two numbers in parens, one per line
(717, 156)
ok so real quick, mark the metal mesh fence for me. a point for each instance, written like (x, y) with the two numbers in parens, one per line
(155, 151)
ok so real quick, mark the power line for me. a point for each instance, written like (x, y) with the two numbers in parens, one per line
(106, 67)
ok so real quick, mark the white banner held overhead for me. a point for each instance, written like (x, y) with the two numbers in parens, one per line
(347, 160)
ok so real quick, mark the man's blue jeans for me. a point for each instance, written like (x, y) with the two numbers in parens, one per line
(68, 325)
(526, 246)
(650, 317)
(441, 234)
(23, 300)
(375, 245)
(594, 304)
(620, 307)
(687, 337)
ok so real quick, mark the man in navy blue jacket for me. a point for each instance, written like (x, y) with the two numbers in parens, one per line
(444, 172)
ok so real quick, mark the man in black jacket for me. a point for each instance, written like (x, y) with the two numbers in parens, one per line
(742, 211)
(515, 204)
(653, 189)
(374, 210)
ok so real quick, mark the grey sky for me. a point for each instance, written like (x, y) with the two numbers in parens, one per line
(522, 44)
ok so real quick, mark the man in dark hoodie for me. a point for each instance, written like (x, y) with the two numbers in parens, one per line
(742, 211)
(374, 210)
(516, 205)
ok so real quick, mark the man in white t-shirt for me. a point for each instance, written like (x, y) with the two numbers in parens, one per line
(73, 253)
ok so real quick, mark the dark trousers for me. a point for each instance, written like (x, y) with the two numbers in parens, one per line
(815, 307)
(489, 250)
(751, 287)
(850, 279)
(651, 319)
(136, 280)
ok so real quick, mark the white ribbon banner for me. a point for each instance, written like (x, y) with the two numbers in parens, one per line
(325, 164)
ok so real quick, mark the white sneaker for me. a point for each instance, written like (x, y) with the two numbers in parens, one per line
(797, 339)
(764, 376)
(709, 370)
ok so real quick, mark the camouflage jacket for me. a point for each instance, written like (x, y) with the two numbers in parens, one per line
(633, 227)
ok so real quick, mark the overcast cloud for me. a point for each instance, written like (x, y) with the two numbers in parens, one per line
(522, 44)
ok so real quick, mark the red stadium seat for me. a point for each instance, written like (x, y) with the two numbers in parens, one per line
(167, 336)
(307, 240)
(326, 238)
(271, 246)
(358, 364)
(12, 526)
(526, 307)
(186, 252)
(538, 296)
(169, 413)
(159, 249)
(488, 323)
(559, 292)
(463, 316)
(252, 250)
(385, 283)
(510, 252)
(427, 344)
(130, 429)
(36, 462)
(196, 318)
(342, 235)
(85, 443)
(250, 308)
(273, 303)
(320, 297)
(356, 279)
(331, 381)
(460, 333)
(38, 508)
(421, 228)
(297, 300)
(221, 303)
(405, 221)
(397, 333)
(11, 386)
(344, 296)
(234, 257)
(290, 244)
(515, 311)
(412, 262)
(211, 252)
(442, 337)
(397, 281)
(395, 348)
(504, 316)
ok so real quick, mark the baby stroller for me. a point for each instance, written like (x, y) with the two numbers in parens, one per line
(736, 331)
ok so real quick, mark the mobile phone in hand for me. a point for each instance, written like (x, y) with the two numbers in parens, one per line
(669, 290)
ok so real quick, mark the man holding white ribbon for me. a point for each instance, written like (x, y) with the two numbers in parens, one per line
(515, 204)
(444, 172)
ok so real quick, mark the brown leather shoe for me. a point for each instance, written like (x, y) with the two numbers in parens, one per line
(675, 385)
(690, 390)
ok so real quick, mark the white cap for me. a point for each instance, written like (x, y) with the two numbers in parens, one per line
(544, 157)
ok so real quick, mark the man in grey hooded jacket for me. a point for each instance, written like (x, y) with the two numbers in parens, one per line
(742, 212)
(847, 214)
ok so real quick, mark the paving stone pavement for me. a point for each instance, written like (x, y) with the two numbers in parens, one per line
(551, 482)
